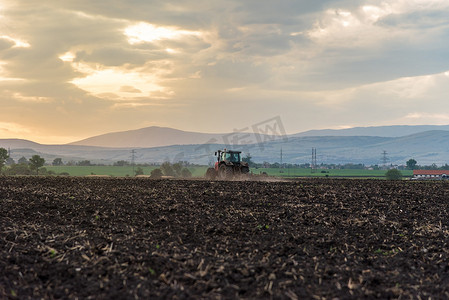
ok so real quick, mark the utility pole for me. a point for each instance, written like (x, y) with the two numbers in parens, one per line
(133, 157)
(384, 158)
(313, 166)
(281, 158)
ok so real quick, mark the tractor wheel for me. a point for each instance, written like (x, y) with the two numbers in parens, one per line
(225, 172)
(244, 173)
(229, 172)
(211, 174)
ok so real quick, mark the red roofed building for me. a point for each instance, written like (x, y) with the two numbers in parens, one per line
(430, 174)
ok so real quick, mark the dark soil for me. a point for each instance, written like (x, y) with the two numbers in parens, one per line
(138, 238)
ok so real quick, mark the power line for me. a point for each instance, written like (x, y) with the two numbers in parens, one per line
(385, 158)
(133, 157)
(281, 157)
(314, 164)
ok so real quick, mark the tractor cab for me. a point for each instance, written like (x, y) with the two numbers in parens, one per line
(228, 156)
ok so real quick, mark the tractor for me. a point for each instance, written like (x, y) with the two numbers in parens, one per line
(227, 166)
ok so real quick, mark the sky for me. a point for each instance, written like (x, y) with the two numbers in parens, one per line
(72, 69)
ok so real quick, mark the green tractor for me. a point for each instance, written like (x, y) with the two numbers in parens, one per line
(228, 166)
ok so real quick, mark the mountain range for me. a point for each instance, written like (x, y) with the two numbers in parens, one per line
(425, 143)
(162, 136)
(384, 131)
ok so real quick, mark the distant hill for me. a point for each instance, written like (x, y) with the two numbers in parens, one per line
(18, 143)
(162, 136)
(148, 137)
(426, 147)
(384, 131)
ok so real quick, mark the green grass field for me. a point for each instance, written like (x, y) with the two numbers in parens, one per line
(300, 172)
(200, 171)
(112, 170)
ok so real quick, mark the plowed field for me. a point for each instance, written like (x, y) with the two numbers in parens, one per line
(105, 238)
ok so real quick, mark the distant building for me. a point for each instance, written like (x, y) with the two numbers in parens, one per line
(431, 174)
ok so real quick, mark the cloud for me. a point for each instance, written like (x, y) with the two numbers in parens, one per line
(120, 63)
(11, 130)
(113, 56)
(13, 42)
(426, 118)
(18, 131)
(129, 89)
(353, 46)
(145, 32)
(408, 100)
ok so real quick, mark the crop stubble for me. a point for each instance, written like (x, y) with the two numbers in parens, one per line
(139, 238)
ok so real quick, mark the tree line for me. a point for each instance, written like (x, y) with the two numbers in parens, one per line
(176, 170)
(24, 167)
(412, 164)
(35, 164)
